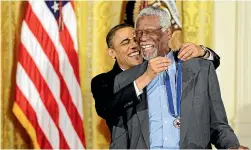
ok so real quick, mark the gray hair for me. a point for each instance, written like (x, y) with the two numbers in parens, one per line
(164, 16)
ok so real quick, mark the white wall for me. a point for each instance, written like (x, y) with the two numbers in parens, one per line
(232, 27)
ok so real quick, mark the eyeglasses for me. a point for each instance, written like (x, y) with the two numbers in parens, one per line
(148, 32)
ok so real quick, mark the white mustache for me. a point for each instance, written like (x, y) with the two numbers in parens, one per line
(150, 55)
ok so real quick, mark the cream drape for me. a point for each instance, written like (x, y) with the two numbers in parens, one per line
(232, 28)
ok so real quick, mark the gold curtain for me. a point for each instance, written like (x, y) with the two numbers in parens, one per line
(13, 134)
(94, 18)
(197, 21)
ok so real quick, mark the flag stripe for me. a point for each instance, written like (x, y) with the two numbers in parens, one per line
(50, 26)
(44, 120)
(68, 37)
(47, 79)
(44, 93)
(72, 3)
(67, 44)
(70, 20)
(27, 110)
(33, 49)
(65, 97)
(51, 79)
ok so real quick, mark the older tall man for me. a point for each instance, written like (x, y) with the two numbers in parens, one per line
(178, 107)
(113, 107)
(119, 108)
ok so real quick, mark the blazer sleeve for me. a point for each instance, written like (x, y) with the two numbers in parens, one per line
(216, 60)
(109, 104)
(222, 135)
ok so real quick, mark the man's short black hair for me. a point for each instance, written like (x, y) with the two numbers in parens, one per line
(112, 32)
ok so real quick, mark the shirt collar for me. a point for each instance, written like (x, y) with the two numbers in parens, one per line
(170, 55)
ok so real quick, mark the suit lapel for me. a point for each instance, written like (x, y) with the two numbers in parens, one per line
(128, 76)
(122, 79)
(190, 70)
(116, 69)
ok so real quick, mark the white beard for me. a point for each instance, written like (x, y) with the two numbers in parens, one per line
(149, 56)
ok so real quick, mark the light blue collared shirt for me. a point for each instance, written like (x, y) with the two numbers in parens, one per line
(163, 134)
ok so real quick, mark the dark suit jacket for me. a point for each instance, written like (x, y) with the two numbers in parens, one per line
(127, 115)
(117, 108)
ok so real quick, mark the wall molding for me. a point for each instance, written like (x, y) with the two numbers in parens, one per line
(232, 41)
(243, 72)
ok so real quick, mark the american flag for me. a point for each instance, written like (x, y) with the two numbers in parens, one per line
(48, 96)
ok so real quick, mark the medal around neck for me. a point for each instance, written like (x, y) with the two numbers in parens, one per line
(176, 123)
(175, 114)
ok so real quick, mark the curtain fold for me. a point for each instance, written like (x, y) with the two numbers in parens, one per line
(95, 19)
(197, 21)
(13, 135)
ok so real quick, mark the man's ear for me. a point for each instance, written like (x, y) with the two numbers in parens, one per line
(111, 53)
(169, 33)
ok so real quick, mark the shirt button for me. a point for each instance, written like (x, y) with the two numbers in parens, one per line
(166, 138)
(164, 106)
(165, 121)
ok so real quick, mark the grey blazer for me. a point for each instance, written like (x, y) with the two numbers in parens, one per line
(203, 117)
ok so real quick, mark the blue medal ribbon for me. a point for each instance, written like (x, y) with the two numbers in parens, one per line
(178, 91)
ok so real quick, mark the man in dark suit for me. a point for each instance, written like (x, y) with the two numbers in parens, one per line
(123, 109)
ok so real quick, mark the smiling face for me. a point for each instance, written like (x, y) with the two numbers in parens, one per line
(125, 49)
(152, 40)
